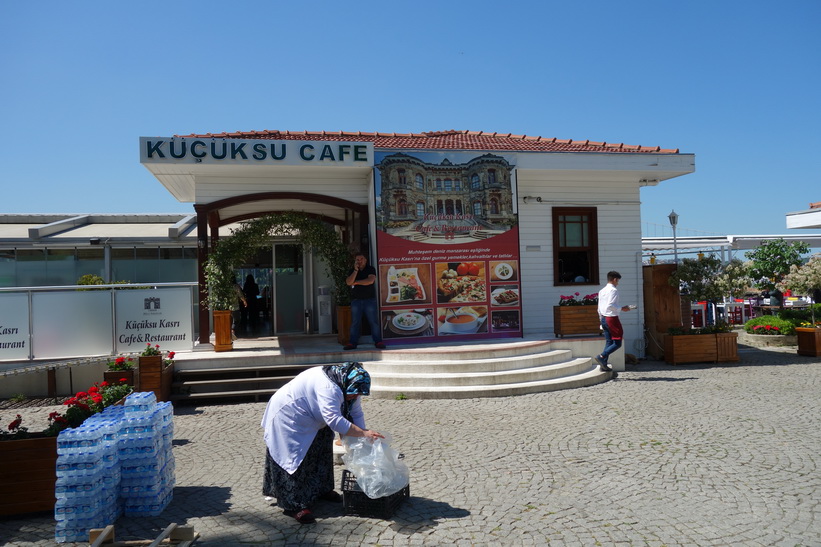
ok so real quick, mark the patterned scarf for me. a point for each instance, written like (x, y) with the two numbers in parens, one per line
(351, 378)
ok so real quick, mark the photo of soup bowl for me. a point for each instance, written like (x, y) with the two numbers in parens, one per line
(462, 322)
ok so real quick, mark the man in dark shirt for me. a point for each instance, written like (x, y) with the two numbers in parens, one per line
(362, 281)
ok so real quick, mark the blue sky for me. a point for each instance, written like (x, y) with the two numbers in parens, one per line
(735, 83)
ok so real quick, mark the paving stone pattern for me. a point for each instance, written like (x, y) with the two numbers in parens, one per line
(662, 455)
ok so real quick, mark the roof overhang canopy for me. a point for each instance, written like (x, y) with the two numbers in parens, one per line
(808, 220)
(204, 169)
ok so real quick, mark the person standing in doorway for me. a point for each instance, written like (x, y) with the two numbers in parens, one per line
(362, 281)
(237, 309)
(251, 290)
(609, 316)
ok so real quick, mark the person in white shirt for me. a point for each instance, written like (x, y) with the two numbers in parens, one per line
(299, 425)
(609, 316)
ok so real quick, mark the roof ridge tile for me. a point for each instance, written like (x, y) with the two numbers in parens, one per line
(449, 139)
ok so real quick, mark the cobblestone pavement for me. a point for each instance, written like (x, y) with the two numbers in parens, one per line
(662, 455)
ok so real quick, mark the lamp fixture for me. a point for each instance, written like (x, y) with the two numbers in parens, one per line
(674, 222)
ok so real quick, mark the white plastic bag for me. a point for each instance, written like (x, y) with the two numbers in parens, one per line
(377, 467)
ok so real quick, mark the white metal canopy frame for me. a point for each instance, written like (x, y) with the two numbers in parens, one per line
(719, 244)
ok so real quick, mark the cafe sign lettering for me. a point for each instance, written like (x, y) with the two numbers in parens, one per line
(255, 151)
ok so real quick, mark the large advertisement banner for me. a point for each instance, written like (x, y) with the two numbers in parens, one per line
(447, 244)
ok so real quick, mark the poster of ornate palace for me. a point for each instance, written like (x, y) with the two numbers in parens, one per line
(447, 243)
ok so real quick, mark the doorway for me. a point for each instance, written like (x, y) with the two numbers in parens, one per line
(279, 305)
(289, 288)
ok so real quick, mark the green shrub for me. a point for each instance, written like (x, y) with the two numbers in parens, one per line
(798, 316)
(718, 328)
(759, 325)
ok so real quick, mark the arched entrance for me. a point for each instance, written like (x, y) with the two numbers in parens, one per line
(349, 219)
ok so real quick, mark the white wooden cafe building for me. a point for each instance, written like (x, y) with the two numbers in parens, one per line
(497, 226)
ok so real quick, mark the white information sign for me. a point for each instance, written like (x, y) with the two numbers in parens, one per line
(71, 324)
(153, 316)
(14, 327)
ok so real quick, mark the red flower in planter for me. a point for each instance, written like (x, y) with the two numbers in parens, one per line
(16, 423)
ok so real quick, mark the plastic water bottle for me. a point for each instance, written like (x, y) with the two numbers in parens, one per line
(67, 442)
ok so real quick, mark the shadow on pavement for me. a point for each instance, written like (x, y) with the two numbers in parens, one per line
(201, 501)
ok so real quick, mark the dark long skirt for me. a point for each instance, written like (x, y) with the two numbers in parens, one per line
(313, 477)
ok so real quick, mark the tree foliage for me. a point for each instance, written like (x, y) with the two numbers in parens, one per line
(772, 260)
(805, 279)
(698, 277)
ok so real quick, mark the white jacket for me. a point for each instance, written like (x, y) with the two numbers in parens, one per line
(298, 410)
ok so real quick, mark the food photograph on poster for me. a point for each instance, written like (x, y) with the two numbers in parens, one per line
(505, 321)
(405, 323)
(404, 284)
(504, 271)
(504, 295)
(447, 242)
(460, 282)
(462, 320)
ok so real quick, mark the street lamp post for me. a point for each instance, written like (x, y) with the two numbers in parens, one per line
(673, 222)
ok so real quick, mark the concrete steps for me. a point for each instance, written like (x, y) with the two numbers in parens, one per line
(466, 371)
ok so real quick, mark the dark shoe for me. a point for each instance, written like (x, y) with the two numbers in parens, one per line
(303, 516)
(333, 496)
(604, 366)
(349, 346)
(380, 345)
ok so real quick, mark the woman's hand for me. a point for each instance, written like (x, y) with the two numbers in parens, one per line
(356, 431)
(373, 435)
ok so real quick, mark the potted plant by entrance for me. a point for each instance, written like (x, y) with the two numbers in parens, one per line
(806, 279)
(576, 314)
(156, 372)
(120, 370)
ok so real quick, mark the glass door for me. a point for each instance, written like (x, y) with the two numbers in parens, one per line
(289, 288)
(255, 278)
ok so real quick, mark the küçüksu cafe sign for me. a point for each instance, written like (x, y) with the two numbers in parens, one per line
(255, 151)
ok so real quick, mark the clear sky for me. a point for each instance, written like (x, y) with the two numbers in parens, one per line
(737, 83)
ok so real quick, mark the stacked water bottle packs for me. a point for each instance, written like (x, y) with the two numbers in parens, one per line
(146, 458)
(117, 461)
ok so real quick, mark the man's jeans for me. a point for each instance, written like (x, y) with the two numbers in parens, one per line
(368, 308)
(610, 345)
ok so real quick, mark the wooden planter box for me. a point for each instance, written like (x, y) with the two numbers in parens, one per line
(809, 341)
(114, 376)
(343, 324)
(28, 473)
(155, 376)
(570, 320)
(222, 330)
(701, 348)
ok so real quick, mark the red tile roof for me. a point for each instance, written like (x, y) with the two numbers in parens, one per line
(444, 140)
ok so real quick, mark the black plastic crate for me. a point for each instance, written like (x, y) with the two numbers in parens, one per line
(357, 503)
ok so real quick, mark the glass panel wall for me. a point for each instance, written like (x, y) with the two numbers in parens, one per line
(123, 265)
(8, 269)
(61, 266)
(31, 267)
(90, 261)
(146, 265)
